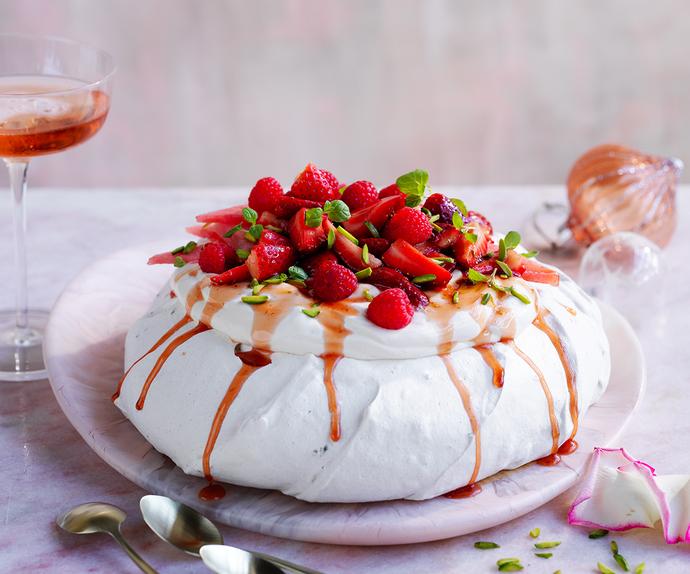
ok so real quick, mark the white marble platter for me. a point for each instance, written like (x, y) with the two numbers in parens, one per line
(84, 353)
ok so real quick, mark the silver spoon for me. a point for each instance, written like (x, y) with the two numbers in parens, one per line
(189, 530)
(95, 517)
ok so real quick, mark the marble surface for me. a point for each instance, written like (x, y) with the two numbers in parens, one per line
(45, 467)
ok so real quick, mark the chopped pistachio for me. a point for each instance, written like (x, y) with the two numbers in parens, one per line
(230, 232)
(485, 300)
(515, 293)
(530, 254)
(372, 229)
(614, 547)
(242, 254)
(511, 567)
(424, 278)
(179, 262)
(598, 533)
(276, 279)
(367, 295)
(256, 289)
(535, 532)
(331, 238)
(543, 554)
(482, 545)
(542, 545)
(254, 299)
(365, 254)
(456, 297)
(364, 273)
(622, 562)
(639, 569)
(503, 561)
(345, 233)
(604, 569)
(312, 312)
(507, 271)
(191, 246)
(177, 250)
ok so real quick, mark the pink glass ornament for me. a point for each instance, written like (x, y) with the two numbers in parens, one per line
(613, 188)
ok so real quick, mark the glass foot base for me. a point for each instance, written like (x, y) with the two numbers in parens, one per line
(21, 353)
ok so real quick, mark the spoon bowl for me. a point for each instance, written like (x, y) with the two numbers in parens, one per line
(95, 517)
(231, 560)
(178, 524)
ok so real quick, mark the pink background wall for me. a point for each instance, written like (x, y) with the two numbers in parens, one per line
(222, 92)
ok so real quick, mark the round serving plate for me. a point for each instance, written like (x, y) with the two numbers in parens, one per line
(84, 347)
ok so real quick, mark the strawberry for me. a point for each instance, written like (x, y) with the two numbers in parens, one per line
(439, 204)
(531, 270)
(265, 194)
(391, 191)
(229, 216)
(212, 257)
(408, 224)
(376, 214)
(350, 253)
(311, 264)
(468, 254)
(475, 216)
(387, 278)
(332, 282)
(404, 257)
(360, 194)
(233, 275)
(267, 218)
(377, 245)
(306, 239)
(288, 206)
(315, 184)
(391, 309)
(446, 238)
(272, 254)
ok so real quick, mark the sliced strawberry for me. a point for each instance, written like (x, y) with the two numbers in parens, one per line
(350, 253)
(306, 239)
(168, 258)
(391, 190)
(475, 216)
(468, 254)
(377, 245)
(376, 214)
(531, 270)
(271, 255)
(267, 218)
(446, 238)
(230, 216)
(387, 278)
(288, 206)
(404, 257)
(233, 275)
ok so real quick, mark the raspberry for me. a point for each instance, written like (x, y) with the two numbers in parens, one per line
(311, 264)
(390, 191)
(391, 309)
(408, 224)
(360, 194)
(315, 184)
(439, 204)
(332, 282)
(265, 194)
(212, 258)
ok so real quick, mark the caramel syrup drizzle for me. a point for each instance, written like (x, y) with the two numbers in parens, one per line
(487, 353)
(332, 318)
(177, 326)
(442, 314)
(164, 356)
(555, 433)
(540, 322)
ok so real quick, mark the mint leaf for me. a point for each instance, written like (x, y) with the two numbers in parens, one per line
(477, 277)
(413, 185)
(458, 222)
(460, 204)
(512, 240)
(337, 210)
(230, 232)
(254, 232)
(250, 216)
(296, 272)
(313, 217)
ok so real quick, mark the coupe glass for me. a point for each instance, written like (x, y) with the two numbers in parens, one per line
(54, 94)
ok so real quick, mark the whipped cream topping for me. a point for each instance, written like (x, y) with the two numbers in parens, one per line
(280, 325)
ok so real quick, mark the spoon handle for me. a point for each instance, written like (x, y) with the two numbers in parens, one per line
(138, 560)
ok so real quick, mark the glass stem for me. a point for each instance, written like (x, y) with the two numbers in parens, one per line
(18, 170)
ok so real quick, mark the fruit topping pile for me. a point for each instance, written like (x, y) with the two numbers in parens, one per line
(327, 238)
